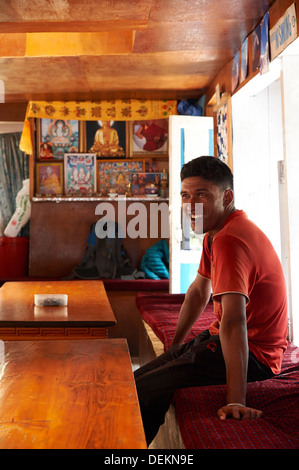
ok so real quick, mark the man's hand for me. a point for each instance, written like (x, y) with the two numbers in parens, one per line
(238, 412)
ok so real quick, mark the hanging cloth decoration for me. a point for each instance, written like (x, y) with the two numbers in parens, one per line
(117, 110)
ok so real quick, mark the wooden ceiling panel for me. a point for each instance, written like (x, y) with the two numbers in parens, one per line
(78, 44)
(119, 48)
(208, 10)
(73, 15)
(190, 36)
(38, 78)
(141, 65)
(13, 45)
(163, 72)
(73, 10)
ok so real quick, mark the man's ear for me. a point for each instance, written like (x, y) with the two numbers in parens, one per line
(228, 197)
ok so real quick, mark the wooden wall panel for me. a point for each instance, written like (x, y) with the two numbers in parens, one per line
(13, 112)
(58, 236)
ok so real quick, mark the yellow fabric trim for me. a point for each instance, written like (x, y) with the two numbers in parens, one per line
(25, 142)
(117, 110)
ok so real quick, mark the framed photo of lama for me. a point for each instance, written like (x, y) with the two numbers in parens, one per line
(49, 178)
(149, 137)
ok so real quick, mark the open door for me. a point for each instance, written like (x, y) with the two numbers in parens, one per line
(189, 137)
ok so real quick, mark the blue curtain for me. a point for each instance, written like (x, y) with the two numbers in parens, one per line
(14, 168)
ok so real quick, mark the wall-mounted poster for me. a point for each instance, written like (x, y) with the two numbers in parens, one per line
(107, 139)
(80, 174)
(265, 59)
(149, 137)
(49, 178)
(256, 47)
(115, 176)
(55, 137)
(244, 61)
(235, 72)
(223, 127)
(283, 32)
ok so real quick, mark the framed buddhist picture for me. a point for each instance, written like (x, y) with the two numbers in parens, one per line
(106, 139)
(55, 137)
(80, 174)
(244, 61)
(235, 71)
(149, 137)
(49, 178)
(256, 47)
(115, 177)
(146, 184)
(223, 130)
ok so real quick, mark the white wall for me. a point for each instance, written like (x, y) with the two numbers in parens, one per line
(7, 127)
(290, 94)
(257, 147)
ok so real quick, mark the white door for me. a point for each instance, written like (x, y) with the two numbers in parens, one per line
(189, 137)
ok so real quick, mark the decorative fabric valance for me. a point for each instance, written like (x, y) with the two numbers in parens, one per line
(117, 110)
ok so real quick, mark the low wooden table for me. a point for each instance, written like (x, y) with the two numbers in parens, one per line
(72, 394)
(87, 315)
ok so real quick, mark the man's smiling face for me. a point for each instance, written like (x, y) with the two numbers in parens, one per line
(215, 201)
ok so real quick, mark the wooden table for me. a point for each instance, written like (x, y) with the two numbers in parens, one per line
(72, 394)
(87, 315)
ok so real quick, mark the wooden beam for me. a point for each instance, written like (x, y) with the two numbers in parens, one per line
(74, 44)
(12, 112)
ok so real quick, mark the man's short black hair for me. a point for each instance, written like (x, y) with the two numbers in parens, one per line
(211, 169)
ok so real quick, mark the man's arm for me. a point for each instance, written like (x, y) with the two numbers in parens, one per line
(234, 343)
(196, 299)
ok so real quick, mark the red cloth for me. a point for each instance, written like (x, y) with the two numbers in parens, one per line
(196, 407)
(243, 260)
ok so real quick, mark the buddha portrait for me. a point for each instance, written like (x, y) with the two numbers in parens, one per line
(106, 141)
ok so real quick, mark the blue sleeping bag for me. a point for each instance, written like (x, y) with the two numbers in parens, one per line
(155, 262)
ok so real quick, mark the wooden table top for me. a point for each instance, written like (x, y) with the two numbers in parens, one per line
(71, 394)
(88, 304)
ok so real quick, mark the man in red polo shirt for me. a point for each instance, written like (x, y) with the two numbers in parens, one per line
(248, 337)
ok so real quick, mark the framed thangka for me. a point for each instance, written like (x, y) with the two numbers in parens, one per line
(224, 130)
(49, 178)
(55, 137)
(80, 174)
(149, 137)
(116, 176)
(107, 139)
